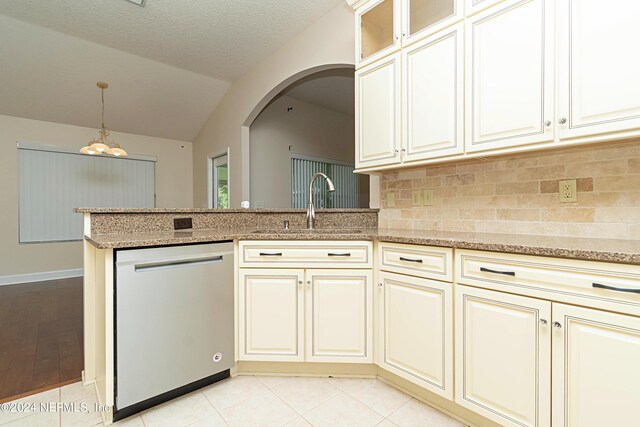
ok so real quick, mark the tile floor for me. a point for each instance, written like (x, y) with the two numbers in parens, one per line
(250, 401)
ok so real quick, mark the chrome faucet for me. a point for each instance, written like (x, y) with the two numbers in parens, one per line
(311, 212)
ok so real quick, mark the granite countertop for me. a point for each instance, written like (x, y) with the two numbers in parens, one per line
(206, 210)
(608, 250)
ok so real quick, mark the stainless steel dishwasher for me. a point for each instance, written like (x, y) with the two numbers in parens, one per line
(173, 322)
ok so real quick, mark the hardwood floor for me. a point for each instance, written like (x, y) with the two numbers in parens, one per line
(40, 336)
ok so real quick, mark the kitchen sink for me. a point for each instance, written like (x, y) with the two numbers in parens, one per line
(307, 231)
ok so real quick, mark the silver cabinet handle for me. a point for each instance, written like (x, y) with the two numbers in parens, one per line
(562, 121)
(335, 254)
(270, 254)
(543, 322)
(547, 123)
(611, 288)
(557, 325)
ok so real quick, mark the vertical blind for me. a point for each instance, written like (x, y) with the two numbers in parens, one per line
(53, 183)
(345, 181)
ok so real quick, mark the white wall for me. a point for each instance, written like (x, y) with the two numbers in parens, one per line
(174, 183)
(328, 41)
(307, 129)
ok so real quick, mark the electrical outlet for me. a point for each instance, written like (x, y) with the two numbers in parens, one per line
(428, 198)
(182, 223)
(416, 198)
(391, 199)
(568, 191)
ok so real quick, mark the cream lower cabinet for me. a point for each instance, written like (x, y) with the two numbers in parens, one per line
(596, 371)
(338, 312)
(271, 317)
(416, 331)
(503, 356)
(335, 306)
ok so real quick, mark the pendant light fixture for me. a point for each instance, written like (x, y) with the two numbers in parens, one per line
(101, 144)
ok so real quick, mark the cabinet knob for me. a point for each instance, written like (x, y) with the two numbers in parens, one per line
(396, 37)
(557, 325)
(543, 322)
(379, 285)
(299, 282)
(547, 123)
(562, 121)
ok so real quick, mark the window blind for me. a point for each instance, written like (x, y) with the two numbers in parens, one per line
(53, 183)
(345, 181)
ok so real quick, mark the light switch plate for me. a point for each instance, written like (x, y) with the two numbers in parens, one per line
(416, 198)
(568, 191)
(428, 198)
(391, 199)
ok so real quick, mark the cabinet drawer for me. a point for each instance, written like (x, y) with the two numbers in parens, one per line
(304, 254)
(423, 261)
(608, 286)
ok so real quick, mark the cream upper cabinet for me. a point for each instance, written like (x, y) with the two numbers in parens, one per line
(377, 111)
(423, 17)
(271, 317)
(474, 6)
(433, 96)
(339, 316)
(503, 356)
(509, 75)
(416, 331)
(377, 30)
(596, 378)
(599, 84)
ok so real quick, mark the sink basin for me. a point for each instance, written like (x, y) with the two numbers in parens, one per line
(307, 231)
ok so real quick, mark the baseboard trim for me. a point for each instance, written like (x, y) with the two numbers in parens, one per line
(40, 277)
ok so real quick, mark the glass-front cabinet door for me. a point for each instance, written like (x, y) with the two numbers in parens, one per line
(377, 30)
(424, 17)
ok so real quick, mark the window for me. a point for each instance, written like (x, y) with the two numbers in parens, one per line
(219, 197)
(54, 181)
(345, 181)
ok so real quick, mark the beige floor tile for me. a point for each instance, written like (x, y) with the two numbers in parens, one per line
(180, 412)
(213, 420)
(51, 396)
(387, 423)
(298, 422)
(378, 396)
(77, 391)
(342, 411)
(346, 384)
(417, 414)
(233, 391)
(83, 414)
(264, 409)
(42, 419)
(304, 394)
(133, 421)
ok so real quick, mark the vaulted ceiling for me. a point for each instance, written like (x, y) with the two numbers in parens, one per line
(168, 63)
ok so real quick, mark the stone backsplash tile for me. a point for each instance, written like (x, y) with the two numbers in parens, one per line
(520, 193)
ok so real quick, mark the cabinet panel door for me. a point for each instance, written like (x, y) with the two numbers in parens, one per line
(503, 356)
(339, 316)
(271, 315)
(475, 6)
(599, 84)
(421, 18)
(377, 30)
(378, 113)
(596, 378)
(509, 76)
(417, 331)
(433, 91)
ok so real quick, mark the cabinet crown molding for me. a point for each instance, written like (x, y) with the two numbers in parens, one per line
(355, 3)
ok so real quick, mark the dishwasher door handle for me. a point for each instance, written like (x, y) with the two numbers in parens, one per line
(140, 268)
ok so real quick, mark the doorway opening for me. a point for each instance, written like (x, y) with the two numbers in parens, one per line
(308, 127)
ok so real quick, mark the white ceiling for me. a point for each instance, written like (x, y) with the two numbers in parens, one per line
(218, 38)
(333, 90)
(168, 64)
